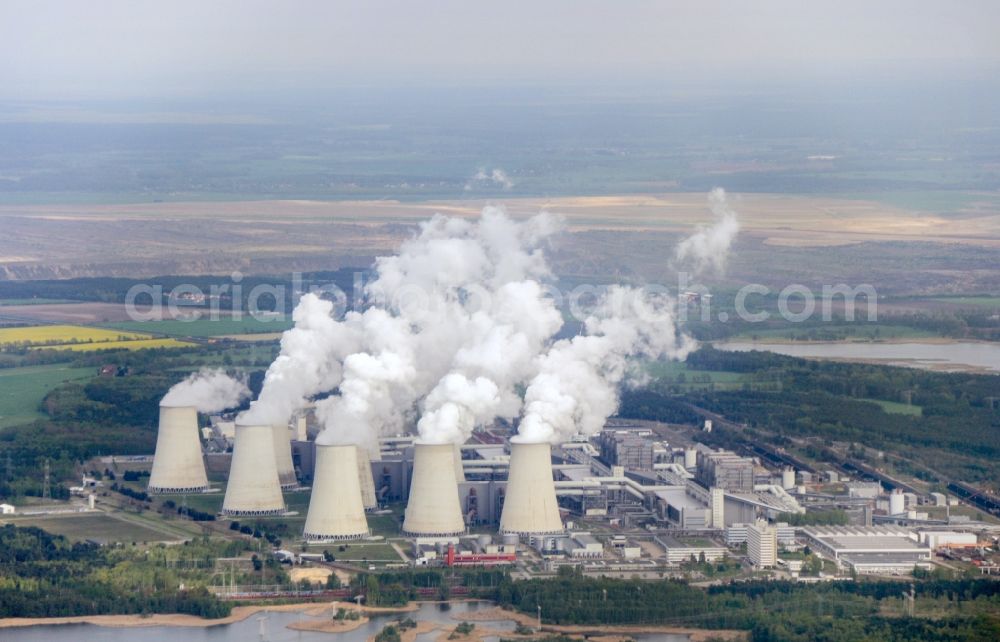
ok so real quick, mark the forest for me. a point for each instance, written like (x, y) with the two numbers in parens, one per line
(957, 429)
(44, 575)
(790, 611)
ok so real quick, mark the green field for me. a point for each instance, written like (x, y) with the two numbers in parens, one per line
(834, 333)
(22, 389)
(100, 527)
(678, 373)
(204, 327)
(897, 408)
(34, 301)
(972, 301)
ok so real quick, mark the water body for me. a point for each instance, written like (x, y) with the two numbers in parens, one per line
(950, 357)
(274, 627)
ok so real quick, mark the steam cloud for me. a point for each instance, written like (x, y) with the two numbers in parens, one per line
(460, 332)
(207, 390)
(495, 178)
(709, 246)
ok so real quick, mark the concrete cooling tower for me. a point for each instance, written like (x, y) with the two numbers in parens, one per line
(530, 506)
(433, 509)
(253, 488)
(366, 479)
(459, 469)
(178, 466)
(283, 456)
(336, 511)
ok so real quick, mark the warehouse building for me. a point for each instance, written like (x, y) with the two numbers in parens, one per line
(870, 550)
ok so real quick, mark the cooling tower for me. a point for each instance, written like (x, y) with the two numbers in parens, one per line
(530, 506)
(335, 508)
(365, 478)
(254, 488)
(433, 508)
(178, 466)
(459, 470)
(283, 456)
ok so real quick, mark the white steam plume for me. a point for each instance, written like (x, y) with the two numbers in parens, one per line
(463, 318)
(207, 390)
(495, 178)
(309, 362)
(709, 246)
(576, 388)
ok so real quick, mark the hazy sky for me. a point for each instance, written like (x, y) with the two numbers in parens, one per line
(120, 48)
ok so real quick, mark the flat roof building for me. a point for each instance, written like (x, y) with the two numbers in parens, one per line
(869, 549)
(762, 544)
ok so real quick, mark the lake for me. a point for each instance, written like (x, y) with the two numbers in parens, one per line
(952, 357)
(275, 628)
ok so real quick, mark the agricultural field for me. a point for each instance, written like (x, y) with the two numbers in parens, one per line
(54, 335)
(841, 332)
(894, 407)
(33, 301)
(204, 327)
(79, 338)
(132, 344)
(100, 527)
(22, 389)
(678, 373)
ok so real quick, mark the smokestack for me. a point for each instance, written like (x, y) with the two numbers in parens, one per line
(178, 466)
(283, 456)
(253, 488)
(365, 478)
(530, 506)
(335, 508)
(433, 508)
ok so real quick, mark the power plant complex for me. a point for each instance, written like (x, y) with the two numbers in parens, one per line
(533, 496)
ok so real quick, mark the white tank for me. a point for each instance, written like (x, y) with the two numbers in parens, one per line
(530, 506)
(690, 459)
(366, 480)
(433, 508)
(788, 478)
(335, 508)
(897, 502)
(253, 488)
(459, 469)
(283, 456)
(178, 465)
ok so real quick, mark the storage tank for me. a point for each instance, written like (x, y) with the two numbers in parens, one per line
(788, 478)
(253, 488)
(366, 480)
(178, 465)
(530, 506)
(336, 511)
(433, 509)
(897, 502)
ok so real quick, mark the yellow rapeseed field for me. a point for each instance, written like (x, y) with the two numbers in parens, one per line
(77, 337)
(134, 344)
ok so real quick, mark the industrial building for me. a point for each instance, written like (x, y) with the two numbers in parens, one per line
(865, 550)
(762, 544)
(627, 449)
(724, 469)
(677, 550)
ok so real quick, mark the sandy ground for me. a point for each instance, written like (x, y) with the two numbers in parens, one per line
(175, 619)
(607, 632)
